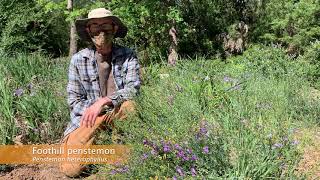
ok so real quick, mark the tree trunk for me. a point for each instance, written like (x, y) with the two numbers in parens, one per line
(73, 37)
(173, 56)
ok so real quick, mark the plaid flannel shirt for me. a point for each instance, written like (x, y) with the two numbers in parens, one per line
(83, 85)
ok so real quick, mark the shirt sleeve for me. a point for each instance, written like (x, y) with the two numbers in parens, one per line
(132, 82)
(77, 96)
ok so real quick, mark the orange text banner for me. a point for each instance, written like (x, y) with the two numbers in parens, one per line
(46, 154)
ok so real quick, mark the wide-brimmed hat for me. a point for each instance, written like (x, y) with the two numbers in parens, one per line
(97, 14)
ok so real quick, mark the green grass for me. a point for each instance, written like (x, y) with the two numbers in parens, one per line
(33, 98)
(252, 105)
(244, 110)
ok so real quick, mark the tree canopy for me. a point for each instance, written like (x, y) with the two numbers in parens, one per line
(43, 25)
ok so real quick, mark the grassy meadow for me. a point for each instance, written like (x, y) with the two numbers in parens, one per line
(239, 118)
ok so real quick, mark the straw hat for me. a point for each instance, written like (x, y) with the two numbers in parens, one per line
(99, 13)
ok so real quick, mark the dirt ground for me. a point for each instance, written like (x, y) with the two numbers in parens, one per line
(309, 139)
(310, 162)
(40, 172)
(34, 172)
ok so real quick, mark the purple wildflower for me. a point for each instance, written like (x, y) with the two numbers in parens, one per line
(124, 169)
(179, 171)
(203, 130)
(177, 147)
(294, 143)
(166, 148)
(180, 154)
(119, 170)
(205, 150)
(18, 92)
(194, 157)
(154, 152)
(145, 142)
(144, 156)
(189, 150)
(113, 172)
(185, 158)
(174, 178)
(193, 171)
(277, 145)
(227, 79)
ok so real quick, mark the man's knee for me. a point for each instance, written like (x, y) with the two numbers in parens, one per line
(127, 107)
(71, 169)
(74, 169)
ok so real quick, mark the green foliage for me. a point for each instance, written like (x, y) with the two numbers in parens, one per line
(294, 23)
(43, 24)
(149, 23)
(265, 60)
(312, 58)
(25, 27)
(197, 24)
(203, 21)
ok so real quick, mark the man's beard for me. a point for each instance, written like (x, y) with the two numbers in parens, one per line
(102, 40)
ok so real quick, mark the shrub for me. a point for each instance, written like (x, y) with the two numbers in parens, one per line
(26, 27)
(312, 57)
(293, 24)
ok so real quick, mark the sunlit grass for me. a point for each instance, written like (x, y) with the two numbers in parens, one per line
(33, 98)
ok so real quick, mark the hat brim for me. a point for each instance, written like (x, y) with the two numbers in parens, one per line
(83, 34)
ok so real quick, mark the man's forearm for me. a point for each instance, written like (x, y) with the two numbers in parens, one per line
(122, 95)
(104, 101)
(79, 106)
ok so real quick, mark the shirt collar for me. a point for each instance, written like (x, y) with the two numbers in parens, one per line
(116, 52)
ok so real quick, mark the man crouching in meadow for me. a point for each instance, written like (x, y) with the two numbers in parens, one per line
(102, 80)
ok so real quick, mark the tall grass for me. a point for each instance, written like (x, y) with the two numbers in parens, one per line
(237, 118)
(33, 98)
(7, 128)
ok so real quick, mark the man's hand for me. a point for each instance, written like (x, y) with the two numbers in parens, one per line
(91, 113)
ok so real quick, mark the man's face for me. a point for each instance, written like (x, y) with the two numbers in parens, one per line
(102, 32)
